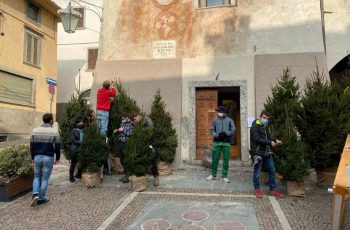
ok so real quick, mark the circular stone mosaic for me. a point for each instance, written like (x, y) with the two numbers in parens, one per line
(191, 227)
(230, 225)
(195, 216)
(158, 224)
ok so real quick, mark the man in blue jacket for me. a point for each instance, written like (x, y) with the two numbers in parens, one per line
(222, 129)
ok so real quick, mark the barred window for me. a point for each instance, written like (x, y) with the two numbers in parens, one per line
(92, 58)
(81, 22)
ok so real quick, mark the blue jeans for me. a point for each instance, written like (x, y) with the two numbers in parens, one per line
(268, 162)
(102, 118)
(42, 170)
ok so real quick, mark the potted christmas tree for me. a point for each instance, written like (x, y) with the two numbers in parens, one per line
(323, 123)
(16, 171)
(93, 153)
(291, 159)
(77, 107)
(138, 156)
(164, 134)
(121, 104)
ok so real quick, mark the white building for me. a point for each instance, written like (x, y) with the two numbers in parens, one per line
(77, 52)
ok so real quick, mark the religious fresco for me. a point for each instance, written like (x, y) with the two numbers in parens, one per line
(211, 32)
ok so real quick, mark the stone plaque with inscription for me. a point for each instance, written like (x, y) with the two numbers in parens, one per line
(164, 49)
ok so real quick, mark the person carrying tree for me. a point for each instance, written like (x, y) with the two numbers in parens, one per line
(77, 136)
(148, 124)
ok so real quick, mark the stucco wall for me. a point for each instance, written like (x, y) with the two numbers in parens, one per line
(21, 118)
(266, 26)
(268, 68)
(337, 28)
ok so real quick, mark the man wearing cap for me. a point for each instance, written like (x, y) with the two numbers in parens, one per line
(104, 105)
(222, 128)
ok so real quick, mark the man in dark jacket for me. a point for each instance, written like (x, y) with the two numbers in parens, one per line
(222, 129)
(261, 145)
(124, 131)
(44, 145)
(77, 136)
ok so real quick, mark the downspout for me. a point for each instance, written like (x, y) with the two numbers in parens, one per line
(323, 26)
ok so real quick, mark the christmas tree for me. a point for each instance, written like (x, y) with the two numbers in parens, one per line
(164, 133)
(93, 151)
(121, 104)
(291, 159)
(138, 153)
(323, 121)
(76, 108)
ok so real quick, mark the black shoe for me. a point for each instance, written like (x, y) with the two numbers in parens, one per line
(45, 201)
(78, 176)
(34, 200)
(72, 180)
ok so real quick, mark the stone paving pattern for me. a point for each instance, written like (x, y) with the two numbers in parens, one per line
(75, 207)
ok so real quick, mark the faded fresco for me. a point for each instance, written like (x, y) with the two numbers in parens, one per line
(210, 32)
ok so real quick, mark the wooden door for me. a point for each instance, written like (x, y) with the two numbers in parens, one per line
(206, 103)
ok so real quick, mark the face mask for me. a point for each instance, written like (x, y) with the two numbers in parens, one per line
(264, 121)
(220, 114)
(80, 126)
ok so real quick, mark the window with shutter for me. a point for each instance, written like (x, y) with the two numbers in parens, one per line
(81, 22)
(32, 48)
(92, 58)
(16, 89)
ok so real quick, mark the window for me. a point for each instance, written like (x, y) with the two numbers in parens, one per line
(213, 3)
(81, 22)
(15, 88)
(92, 58)
(32, 43)
(33, 12)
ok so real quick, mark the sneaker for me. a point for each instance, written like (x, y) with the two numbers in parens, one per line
(258, 193)
(276, 194)
(34, 200)
(156, 181)
(72, 180)
(224, 179)
(44, 201)
(211, 177)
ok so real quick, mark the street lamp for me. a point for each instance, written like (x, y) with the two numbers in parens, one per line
(70, 18)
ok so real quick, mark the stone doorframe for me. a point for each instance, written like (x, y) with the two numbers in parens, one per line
(242, 84)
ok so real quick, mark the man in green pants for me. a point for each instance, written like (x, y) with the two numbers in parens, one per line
(222, 129)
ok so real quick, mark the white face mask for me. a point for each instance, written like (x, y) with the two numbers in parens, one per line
(220, 114)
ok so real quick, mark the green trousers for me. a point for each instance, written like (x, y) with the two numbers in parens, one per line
(219, 147)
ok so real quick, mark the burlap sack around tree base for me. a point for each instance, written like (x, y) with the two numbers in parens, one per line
(138, 183)
(164, 168)
(117, 166)
(91, 179)
(295, 188)
(325, 179)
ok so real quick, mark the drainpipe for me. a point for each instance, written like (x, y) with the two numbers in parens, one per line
(323, 26)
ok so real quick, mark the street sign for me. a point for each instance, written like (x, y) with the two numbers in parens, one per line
(51, 81)
(51, 88)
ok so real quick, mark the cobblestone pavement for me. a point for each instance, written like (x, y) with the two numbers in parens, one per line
(75, 207)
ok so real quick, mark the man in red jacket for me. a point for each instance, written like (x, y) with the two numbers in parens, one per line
(104, 105)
